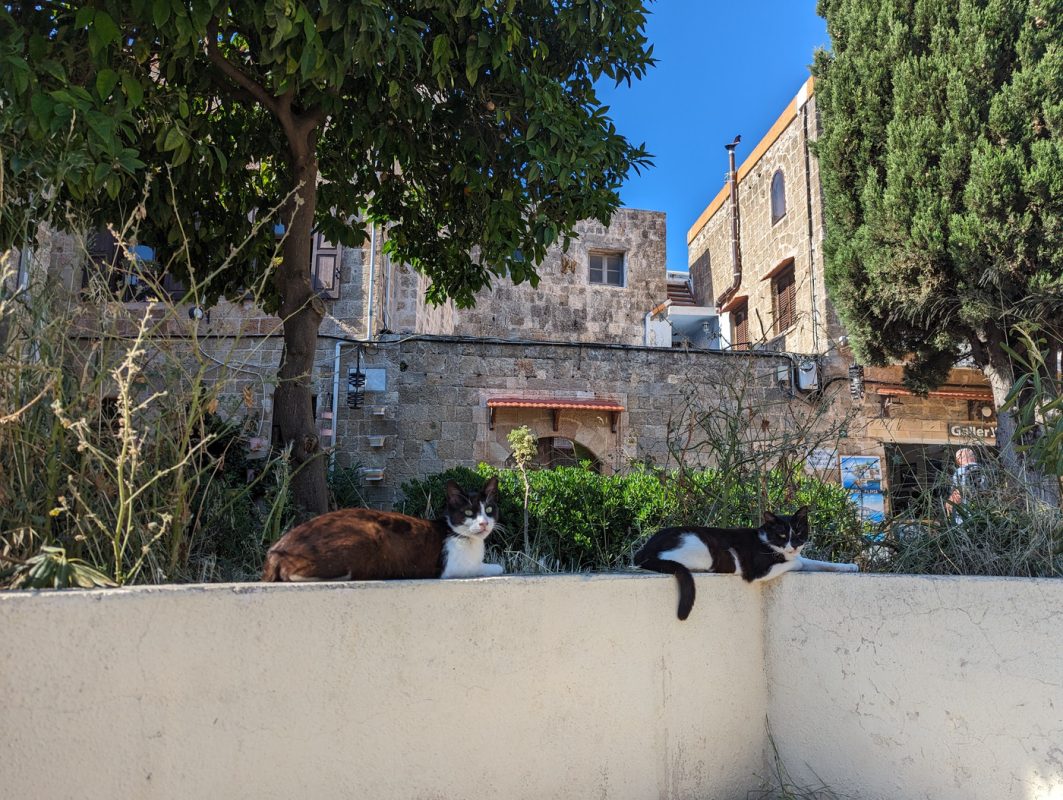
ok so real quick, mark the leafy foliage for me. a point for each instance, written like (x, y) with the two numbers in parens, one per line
(581, 519)
(1000, 533)
(942, 161)
(50, 568)
(473, 128)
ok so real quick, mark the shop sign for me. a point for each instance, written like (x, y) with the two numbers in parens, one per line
(967, 431)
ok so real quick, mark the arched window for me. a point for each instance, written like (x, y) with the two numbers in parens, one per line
(778, 196)
(557, 451)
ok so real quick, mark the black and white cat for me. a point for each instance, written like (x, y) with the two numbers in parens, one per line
(363, 544)
(757, 554)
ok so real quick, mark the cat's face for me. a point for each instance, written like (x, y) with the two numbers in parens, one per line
(785, 535)
(472, 514)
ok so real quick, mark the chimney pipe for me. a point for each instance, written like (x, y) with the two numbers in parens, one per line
(736, 251)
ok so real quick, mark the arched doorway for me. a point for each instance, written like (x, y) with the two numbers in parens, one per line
(559, 451)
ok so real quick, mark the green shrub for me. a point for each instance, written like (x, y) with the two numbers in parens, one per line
(346, 484)
(580, 519)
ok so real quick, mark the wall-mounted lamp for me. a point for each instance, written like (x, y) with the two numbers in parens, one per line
(356, 383)
(856, 381)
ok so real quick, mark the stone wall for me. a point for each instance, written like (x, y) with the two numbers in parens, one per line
(434, 411)
(565, 306)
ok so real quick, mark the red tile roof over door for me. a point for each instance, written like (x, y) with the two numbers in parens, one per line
(584, 404)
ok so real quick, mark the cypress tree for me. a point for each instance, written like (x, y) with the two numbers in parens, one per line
(942, 165)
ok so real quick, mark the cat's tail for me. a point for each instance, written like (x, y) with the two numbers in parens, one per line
(271, 573)
(683, 578)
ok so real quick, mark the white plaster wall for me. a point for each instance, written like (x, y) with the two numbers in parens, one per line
(565, 687)
(918, 687)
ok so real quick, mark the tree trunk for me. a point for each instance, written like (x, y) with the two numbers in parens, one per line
(999, 369)
(301, 312)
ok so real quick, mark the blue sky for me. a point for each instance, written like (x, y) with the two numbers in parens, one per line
(723, 68)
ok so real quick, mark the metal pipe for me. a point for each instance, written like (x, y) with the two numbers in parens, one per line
(811, 231)
(386, 305)
(372, 280)
(335, 405)
(736, 248)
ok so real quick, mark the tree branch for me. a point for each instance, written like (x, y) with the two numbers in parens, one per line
(253, 89)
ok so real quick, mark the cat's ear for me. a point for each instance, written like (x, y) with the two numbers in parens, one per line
(802, 512)
(491, 487)
(769, 518)
(455, 496)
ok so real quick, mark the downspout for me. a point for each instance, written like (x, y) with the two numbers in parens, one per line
(372, 280)
(335, 405)
(811, 229)
(736, 249)
(386, 306)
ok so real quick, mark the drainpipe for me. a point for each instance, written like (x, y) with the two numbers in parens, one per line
(811, 230)
(335, 405)
(736, 249)
(386, 306)
(372, 280)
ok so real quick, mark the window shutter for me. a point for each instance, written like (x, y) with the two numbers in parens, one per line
(325, 268)
(740, 327)
(103, 252)
(784, 296)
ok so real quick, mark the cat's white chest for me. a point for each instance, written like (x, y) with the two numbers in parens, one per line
(465, 558)
(691, 553)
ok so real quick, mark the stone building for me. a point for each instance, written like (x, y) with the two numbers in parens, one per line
(764, 273)
(402, 389)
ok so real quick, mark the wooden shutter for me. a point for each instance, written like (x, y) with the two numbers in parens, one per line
(325, 268)
(103, 253)
(784, 296)
(740, 328)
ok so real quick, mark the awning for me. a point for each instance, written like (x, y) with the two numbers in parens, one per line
(786, 262)
(556, 405)
(947, 392)
(733, 303)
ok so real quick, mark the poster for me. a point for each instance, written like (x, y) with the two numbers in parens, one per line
(820, 459)
(862, 477)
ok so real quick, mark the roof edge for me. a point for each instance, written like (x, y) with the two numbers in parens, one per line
(788, 115)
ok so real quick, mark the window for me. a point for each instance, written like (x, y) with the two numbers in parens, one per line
(784, 300)
(138, 277)
(607, 268)
(740, 327)
(325, 268)
(778, 196)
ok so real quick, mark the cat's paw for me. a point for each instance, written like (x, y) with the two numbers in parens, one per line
(491, 570)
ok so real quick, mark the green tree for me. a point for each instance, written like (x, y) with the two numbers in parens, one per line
(472, 128)
(524, 449)
(942, 165)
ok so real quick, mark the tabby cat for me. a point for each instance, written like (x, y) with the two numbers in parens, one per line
(364, 544)
(757, 554)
